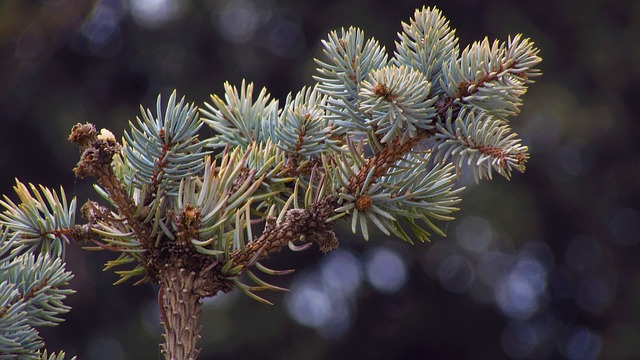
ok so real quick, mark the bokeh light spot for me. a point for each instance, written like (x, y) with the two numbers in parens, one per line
(308, 304)
(581, 344)
(155, 13)
(100, 33)
(456, 273)
(492, 265)
(341, 272)
(519, 293)
(319, 300)
(474, 234)
(386, 270)
(436, 255)
(530, 339)
(102, 25)
(238, 21)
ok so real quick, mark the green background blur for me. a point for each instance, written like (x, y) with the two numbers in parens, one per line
(545, 266)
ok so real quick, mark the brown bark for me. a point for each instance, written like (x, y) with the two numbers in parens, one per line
(180, 311)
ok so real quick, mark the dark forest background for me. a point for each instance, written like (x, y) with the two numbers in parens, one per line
(544, 266)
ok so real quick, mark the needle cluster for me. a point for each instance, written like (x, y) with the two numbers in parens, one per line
(377, 142)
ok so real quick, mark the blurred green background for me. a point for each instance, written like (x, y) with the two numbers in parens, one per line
(544, 266)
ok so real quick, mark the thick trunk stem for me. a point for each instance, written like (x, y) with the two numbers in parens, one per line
(180, 311)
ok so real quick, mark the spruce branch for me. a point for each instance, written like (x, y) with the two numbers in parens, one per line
(479, 140)
(165, 149)
(385, 159)
(97, 152)
(33, 286)
(377, 142)
(238, 120)
(426, 42)
(350, 60)
(303, 130)
(492, 76)
(296, 225)
(43, 219)
(398, 102)
(40, 283)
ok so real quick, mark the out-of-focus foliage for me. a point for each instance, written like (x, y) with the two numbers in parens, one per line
(567, 231)
(33, 279)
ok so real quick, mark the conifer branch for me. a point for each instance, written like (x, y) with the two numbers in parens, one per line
(96, 159)
(165, 149)
(492, 76)
(480, 141)
(376, 142)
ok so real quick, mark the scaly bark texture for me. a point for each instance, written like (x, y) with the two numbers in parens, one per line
(180, 310)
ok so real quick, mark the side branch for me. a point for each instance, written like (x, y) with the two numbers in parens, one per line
(311, 224)
(500, 155)
(386, 158)
(396, 149)
(97, 154)
(298, 225)
(159, 170)
(25, 297)
(468, 88)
